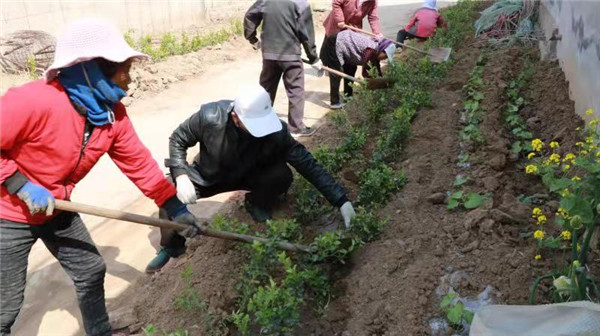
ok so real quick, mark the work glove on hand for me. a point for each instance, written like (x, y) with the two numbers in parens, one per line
(256, 45)
(348, 213)
(318, 65)
(179, 213)
(186, 192)
(37, 198)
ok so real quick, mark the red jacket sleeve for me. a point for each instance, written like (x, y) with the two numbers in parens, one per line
(135, 161)
(18, 117)
(374, 20)
(337, 13)
(412, 22)
(442, 23)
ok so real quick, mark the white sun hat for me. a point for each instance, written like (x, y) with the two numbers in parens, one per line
(389, 52)
(87, 39)
(253, 106)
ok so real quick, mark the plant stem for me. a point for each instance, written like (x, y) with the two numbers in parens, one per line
(536, 283)
(586, 244)
(574, 245)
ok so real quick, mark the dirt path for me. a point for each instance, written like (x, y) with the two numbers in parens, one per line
(50, 306)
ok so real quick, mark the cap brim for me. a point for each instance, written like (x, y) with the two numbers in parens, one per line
(263, 126)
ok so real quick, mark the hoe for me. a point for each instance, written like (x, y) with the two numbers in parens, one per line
(167, 224)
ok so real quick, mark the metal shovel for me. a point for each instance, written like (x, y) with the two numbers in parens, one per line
(167, 224)
(436, 55)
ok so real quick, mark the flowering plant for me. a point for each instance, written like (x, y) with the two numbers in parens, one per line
(575, 179)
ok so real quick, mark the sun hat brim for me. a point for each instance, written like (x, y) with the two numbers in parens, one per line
(262, 126)
(117, 56)
(389, 52)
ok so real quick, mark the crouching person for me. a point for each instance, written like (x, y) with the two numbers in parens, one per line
(423, 24)
(345, 51)
(243, 146)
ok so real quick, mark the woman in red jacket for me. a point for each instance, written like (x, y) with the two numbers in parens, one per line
(53, 132)
(423, 24)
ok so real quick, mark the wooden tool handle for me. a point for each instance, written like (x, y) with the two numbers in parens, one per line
(395, 42)
(341, 74)
(167, 224)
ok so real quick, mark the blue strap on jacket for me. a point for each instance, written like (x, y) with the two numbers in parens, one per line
(98, 96)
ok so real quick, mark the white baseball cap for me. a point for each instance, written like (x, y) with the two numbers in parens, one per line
(253, 106)
(87, 39)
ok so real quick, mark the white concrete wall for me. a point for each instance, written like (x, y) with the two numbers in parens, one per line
(578, 22)
(147, 16)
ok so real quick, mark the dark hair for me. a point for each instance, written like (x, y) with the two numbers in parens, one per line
(108, 68)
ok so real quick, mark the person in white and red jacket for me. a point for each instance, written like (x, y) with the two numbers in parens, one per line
(423, 24)
(53, 132)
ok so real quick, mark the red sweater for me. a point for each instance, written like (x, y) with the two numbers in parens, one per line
(352, 14)
(42, 138)
(425, 22)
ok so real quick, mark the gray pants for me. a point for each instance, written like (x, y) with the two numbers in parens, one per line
(68, 240)
(293, 80)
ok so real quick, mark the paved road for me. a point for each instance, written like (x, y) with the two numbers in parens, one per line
(50, 304)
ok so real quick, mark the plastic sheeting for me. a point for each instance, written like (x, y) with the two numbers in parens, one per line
(580, 318)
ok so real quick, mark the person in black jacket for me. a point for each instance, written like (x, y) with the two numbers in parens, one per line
(286, 24)
(243, 146)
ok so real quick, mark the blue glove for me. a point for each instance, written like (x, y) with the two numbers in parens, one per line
(37, 198)
(179, 212)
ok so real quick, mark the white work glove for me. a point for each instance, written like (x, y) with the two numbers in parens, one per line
(256, 45)
(348, 213)
(186, 192)
(318, 65)
(380, 36)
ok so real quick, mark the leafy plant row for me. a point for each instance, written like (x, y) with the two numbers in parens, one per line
(170, 45)
(512, 118)
(472, 114)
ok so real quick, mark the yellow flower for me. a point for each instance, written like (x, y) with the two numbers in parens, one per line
(576, 178)
(541, 219)
(563, 213)
(569, 157)
(531, 169)
(555, 158)
(536, 212)
(597, 153)
(566, 235)
(566, 167)
(576, 264)
(554, 144)
(594, 122)
(584, 152)
(579, 143)
(565, 193)
(538, 234)
(532, 154)
(537, 145)
(589, 112)
(589, 140)
(578, 247)
(537, 257)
